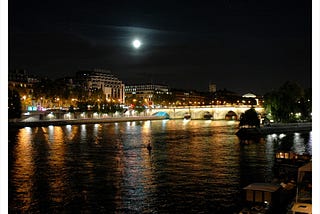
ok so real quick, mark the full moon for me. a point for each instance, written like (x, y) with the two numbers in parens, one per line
(136, 43)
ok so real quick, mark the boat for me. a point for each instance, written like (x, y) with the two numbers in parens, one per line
(260, 197)
(267, 197)
(292, 158)
(286, 164)
(249, 133)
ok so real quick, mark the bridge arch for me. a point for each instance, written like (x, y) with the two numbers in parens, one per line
(202, 114)
(231, 115)
(217, 112)
(161, 114)
(180, 113)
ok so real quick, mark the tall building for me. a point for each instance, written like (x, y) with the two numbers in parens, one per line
(96, 79)
(212, 88)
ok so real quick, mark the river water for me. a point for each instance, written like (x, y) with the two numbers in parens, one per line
(194, 166)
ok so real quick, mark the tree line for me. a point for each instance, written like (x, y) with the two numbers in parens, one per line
(290, 103)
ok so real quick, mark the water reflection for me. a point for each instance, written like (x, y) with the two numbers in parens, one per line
(22, 176)
(194, 166)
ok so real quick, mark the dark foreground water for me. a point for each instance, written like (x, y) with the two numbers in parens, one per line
(193, 167)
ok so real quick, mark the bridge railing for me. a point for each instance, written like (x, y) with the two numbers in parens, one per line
(207, 106)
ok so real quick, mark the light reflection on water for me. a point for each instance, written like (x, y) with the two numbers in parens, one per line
(194, 166)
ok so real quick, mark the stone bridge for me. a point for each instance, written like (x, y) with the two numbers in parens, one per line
(218, 112)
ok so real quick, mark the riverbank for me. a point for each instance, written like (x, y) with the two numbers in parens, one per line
(274, 129)
(63, 122)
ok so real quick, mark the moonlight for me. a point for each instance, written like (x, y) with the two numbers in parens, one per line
(136, 43)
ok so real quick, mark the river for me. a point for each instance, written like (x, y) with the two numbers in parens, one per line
(194, 166)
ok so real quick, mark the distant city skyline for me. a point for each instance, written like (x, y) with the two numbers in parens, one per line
(29, 76)
(237, 45)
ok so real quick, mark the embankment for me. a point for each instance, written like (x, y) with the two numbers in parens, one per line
(274, 129)
(61, 122)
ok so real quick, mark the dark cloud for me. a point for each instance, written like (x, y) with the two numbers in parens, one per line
(240, 45)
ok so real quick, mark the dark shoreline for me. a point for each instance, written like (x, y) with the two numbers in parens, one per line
(274, 129)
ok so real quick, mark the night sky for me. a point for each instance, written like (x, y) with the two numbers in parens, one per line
(243, 46)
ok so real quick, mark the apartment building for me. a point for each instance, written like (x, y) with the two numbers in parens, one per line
(97, 79)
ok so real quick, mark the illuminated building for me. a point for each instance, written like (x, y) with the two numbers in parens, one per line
(146, 92)
(102, 79)
(21, 81)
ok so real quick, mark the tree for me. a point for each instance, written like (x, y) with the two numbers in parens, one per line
(138, 107)
(14, 102)
(283, 104)
(250, 118)
(161, 98)
(305, 105)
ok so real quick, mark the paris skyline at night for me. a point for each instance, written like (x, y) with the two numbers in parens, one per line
(159, 106)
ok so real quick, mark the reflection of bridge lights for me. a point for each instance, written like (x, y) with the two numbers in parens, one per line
(185, 121)
(147, 124)
(28, 129)
(68, 127)
(208, 121)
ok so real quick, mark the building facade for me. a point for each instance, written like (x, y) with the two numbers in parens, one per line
(149, 93)
(100, 79)
(23, 82)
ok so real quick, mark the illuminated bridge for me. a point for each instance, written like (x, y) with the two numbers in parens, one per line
(217, 112)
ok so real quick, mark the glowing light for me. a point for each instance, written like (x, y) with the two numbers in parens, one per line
(136, 43)
(51, 115)
(68, 127)
(282, 136)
